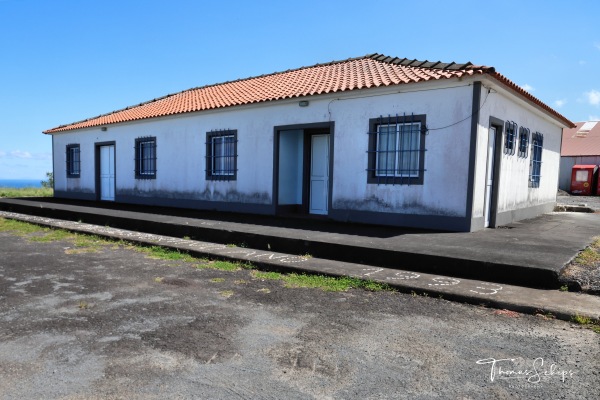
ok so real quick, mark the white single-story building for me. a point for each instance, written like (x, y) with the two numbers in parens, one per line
(373, 139)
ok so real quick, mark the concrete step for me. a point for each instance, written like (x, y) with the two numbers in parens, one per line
(461, 258)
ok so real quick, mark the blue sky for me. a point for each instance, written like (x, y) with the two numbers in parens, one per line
(66, 60)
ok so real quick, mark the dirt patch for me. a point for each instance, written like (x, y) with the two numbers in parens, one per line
(207, 339)
(583, 273)
(175, 282)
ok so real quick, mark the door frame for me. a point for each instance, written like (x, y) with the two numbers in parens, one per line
(309, 129)
(97, 147)
(498, 124)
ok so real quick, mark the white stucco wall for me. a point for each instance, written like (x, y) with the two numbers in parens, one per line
(514, 191)
(447, 105)
(181, 150)
(443, 191)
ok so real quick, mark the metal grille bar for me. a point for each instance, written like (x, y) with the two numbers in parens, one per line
(396, 151)
(511, 138)
(537, 144)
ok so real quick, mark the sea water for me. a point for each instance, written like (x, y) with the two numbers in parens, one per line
(21, 183)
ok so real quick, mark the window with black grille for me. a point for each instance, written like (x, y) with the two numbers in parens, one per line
(523, 142)
(510, 140)
(221, 155)
(73, 161)
(145, 158)
(397, 150)
(535, 168)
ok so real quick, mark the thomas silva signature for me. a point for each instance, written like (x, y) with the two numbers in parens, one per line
(518, 368)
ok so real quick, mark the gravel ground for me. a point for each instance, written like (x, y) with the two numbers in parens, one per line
(581, 277)
(115, 324)
(564, 198)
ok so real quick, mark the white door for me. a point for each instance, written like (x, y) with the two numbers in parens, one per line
(319, 174)
(107, 173)
(489, 176)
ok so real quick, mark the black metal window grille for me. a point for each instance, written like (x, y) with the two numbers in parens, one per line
(73, 161)
(145, 158)
(221, 155)
(511, 138)
(537, 144)
(397, 149)
(523, 142)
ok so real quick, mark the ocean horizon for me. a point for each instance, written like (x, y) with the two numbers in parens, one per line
(21, 183)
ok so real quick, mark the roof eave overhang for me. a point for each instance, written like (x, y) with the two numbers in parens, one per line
(533, 101)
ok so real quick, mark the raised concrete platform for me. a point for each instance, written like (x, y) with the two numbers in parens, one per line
(527, 253)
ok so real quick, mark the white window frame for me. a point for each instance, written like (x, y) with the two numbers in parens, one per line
(220, 162)
(414, 132)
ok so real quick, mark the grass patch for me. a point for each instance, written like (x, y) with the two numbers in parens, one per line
(326, 283)
(581, 320)
(162, 253)
(274, 276)
(18, 227)
(26, 192)
(225, 265)
(52, 235)
(590, 255)
(220, 265)
(226, 293)
(332, 284)
(217, 280)
(587, 322)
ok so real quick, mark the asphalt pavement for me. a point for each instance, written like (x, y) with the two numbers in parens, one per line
(108, 322)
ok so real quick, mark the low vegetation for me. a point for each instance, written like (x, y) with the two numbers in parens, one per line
(26, 192)
(584, 271)
(326, 283)
(587, 322)
(590, 255)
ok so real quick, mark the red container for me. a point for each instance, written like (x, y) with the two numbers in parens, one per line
(584, 180)
(598, 181)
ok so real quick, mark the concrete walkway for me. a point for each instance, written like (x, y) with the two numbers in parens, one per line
(529, 253)
(562, 305)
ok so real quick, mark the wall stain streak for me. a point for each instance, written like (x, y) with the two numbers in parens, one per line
(232, 196)
(376, 204)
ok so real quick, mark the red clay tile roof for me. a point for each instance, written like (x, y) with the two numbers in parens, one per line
(374, 70)
(581, 142)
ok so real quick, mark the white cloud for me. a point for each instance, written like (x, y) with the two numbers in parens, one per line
(582, 62)
(597, 45)
(594, 118)
(20, 154)
(528, 88)
(593, 97)
(25, 155)
(560, 103)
